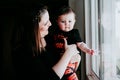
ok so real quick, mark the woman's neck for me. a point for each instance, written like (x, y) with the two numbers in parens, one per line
(43, 42)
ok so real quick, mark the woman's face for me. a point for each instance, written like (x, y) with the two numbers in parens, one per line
(44, 24)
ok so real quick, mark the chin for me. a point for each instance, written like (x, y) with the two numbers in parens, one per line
(67, 30)
(46, 33)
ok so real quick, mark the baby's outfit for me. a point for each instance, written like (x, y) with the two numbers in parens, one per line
(70, 73)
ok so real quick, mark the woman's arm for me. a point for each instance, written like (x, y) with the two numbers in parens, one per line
(60, 67)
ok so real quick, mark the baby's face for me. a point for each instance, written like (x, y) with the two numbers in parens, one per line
(66, 22)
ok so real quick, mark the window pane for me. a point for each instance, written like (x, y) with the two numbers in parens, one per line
(105, 39)
(109, 39)
(95, 36)
(117, 32)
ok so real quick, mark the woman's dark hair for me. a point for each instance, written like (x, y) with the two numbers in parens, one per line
(37, 37)
(26, 33)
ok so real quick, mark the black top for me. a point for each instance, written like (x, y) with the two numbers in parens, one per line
(72, 36)
(55, 39)
(30, 67)
(56, 42)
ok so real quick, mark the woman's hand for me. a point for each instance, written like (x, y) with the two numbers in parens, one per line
(70, 49)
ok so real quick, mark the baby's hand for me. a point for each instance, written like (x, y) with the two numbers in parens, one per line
(96, 52)
(92, 51)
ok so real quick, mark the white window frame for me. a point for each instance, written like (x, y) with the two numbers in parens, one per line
(91, 8)
(108, 20)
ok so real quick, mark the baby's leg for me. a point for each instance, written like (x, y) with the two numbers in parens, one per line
(70, 72)
(76, 59)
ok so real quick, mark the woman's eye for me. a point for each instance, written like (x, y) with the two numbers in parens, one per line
(46, 23)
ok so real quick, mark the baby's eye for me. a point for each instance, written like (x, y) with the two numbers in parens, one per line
(70, 21)
(63, 21)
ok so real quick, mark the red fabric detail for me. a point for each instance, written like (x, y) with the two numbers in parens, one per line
(71, 70)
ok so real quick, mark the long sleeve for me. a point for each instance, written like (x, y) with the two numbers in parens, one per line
(28, 67)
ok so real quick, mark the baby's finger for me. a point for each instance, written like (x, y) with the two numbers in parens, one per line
(96, 52)
(92, 52)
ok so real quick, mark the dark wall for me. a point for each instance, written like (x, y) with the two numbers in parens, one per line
(17, 6)
(11, 12)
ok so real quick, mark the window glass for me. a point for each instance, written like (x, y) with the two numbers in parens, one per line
(105, 39)
(109, 39)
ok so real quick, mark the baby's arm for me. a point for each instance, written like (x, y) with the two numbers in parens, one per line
(83, 47)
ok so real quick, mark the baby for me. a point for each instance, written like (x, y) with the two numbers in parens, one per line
(65, 19)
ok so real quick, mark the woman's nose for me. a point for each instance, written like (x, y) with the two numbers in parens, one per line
(50, 23)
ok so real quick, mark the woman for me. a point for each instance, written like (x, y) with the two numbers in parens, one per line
(30, 58)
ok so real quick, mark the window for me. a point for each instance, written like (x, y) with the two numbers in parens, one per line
(102, 22)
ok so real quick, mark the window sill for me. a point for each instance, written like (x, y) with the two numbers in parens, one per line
(92, 76)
